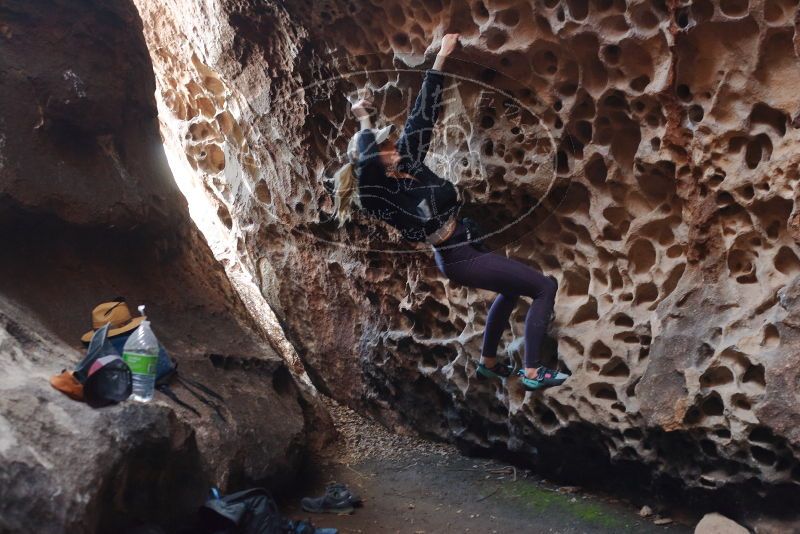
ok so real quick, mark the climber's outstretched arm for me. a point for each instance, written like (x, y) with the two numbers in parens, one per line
(416, 137)
(368, 161)
(361, 110)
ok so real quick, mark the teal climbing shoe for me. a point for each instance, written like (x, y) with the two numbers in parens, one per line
(499, 371)
(545, 378)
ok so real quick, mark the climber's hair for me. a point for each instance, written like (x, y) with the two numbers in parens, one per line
(345, 192)
(345, 182)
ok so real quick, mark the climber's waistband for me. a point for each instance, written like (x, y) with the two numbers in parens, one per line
(440, 236)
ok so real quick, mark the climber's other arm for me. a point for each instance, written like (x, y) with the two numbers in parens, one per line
(361, 111)
(367, 146)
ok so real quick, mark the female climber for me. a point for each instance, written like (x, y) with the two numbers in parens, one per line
(390, 181)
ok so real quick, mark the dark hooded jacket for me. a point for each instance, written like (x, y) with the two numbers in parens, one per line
(420, 206)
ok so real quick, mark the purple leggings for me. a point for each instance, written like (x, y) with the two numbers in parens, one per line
(474, 266)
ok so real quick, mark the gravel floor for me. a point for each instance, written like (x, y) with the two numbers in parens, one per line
(414, 486)
(362, 439)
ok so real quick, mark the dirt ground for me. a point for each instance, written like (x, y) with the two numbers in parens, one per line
(417, 487)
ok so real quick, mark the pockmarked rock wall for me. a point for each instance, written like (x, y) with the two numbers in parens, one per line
(641, 152)
(88, 211)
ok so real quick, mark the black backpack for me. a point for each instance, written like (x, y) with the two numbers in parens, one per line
(250, 511)
(105, 376)
(163, 381)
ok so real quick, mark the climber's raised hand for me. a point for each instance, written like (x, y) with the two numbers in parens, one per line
(449, 43)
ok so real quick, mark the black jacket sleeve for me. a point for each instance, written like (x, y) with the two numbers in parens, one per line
(416, 137)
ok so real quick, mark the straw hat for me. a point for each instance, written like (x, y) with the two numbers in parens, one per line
(115, 312)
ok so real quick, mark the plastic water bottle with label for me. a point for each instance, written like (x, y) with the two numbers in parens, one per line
(141, 355)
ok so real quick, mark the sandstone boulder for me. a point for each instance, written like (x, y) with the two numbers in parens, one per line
(641, 152)
(89, 210)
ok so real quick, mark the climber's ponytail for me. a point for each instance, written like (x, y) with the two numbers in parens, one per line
(345, 192)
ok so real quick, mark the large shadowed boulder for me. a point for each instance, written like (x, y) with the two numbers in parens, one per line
(89, 211)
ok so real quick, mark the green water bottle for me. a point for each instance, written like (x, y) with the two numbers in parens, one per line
(141, 355)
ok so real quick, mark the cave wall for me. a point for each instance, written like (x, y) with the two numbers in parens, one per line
(641, 152)
(89, 210)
